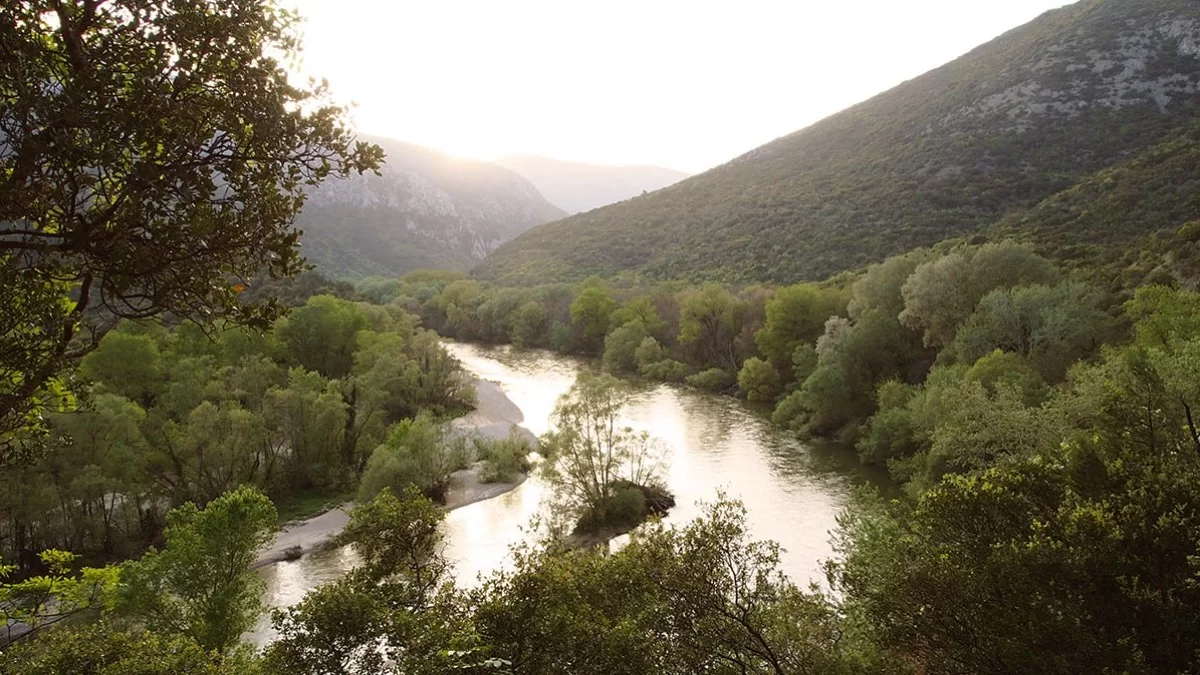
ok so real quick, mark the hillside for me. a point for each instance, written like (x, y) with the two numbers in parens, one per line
(947, 154)
(576, 187)
(426, 210)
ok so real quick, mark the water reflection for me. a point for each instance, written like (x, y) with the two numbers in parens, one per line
(793, 491)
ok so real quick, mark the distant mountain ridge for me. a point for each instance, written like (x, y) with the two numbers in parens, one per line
(426, 210)
(576, 187)
(948, 154)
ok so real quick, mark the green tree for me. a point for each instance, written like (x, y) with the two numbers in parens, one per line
(1051, 326)
(529, 325)
(708, 327)
(590, 454)
(119, 201)
(794, 316)
(758, 380)
(940, 294)
(322, 335)
(621, 345)
(128, 365)
(590, 314)
(417, 452)
(200, 584)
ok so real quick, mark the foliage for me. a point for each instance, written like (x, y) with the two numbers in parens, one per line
(200, 584)
(106, 649)
(417, 452)
(118, 201)
(29, 605)
(504, 459)
(713, 379)
(758, 380)
(590, 314)
(589, 453)
(621, 346)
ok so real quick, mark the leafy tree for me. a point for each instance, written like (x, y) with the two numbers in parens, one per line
(200, 584)
(590, 314)
(642, 310)
(879, 288)
(591, 455)
(394, 614)
(940, 294)
(27, 606)
(708, 327)
(1051, 326)
(322, 335)
(106, 648)
(119, 201)
(417, 452)
(758, 380)
(713, 379)
(794, 316)
(621, 345)
(529, 325)
(128, 365)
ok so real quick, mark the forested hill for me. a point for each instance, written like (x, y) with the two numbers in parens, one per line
(426, 210)
(577, 187)
(950, 153)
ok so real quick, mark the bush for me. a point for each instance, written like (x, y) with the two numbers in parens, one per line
(713, 379)
(562, 338)
(667, 370)
(504, 460)
(623, 511)
(758, 380)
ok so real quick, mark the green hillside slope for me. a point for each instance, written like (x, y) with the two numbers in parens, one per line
(947, 154)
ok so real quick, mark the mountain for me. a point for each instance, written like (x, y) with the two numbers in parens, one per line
(1010, 124)
(426, 210)
(576, 187)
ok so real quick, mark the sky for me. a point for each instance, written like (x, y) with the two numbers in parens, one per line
(682, 84)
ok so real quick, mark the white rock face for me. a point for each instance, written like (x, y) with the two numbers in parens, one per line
(1064, 84)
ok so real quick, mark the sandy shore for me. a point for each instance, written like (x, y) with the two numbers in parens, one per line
(494, 417)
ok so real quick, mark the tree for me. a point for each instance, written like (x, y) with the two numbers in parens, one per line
(590, 313)
(591, 455)
(758, 380)
(155, 155)
(417, 452)
(40, 601)
(396, 609)
(708, 327)
(529, 325)
(940, 294)
(1051, 326)
(796, 315)
(200, 584)
(129, 365)
(105, 647)
(322, 335)
(621, 345)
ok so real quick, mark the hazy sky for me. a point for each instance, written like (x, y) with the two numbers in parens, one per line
(683, 84)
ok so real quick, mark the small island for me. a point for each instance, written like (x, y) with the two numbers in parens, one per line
(607, 478)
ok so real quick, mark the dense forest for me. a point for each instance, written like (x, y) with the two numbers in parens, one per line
(173, 385)
(1044, 109)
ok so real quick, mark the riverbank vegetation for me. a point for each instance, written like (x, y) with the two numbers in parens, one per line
(1043, 420)
(604, 475)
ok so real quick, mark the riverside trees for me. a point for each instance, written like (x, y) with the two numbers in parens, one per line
(154, 155)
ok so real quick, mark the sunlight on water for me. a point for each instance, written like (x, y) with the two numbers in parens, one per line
(793, 492)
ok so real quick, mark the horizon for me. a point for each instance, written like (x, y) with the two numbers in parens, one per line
(516, 80)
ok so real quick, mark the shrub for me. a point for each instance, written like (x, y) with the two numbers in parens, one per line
(713, 379)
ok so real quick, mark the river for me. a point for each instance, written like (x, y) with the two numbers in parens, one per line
(793, 491)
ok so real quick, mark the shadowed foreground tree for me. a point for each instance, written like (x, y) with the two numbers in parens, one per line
(153, 155)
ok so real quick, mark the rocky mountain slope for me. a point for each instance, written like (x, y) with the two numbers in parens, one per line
(426, 210)
(576, 187)
(995, 132)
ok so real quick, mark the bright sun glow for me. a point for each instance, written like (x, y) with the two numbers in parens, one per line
(686, 85)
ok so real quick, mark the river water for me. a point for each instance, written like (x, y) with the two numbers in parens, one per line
(793, 491)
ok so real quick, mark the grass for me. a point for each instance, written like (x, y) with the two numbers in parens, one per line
(309, 504)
